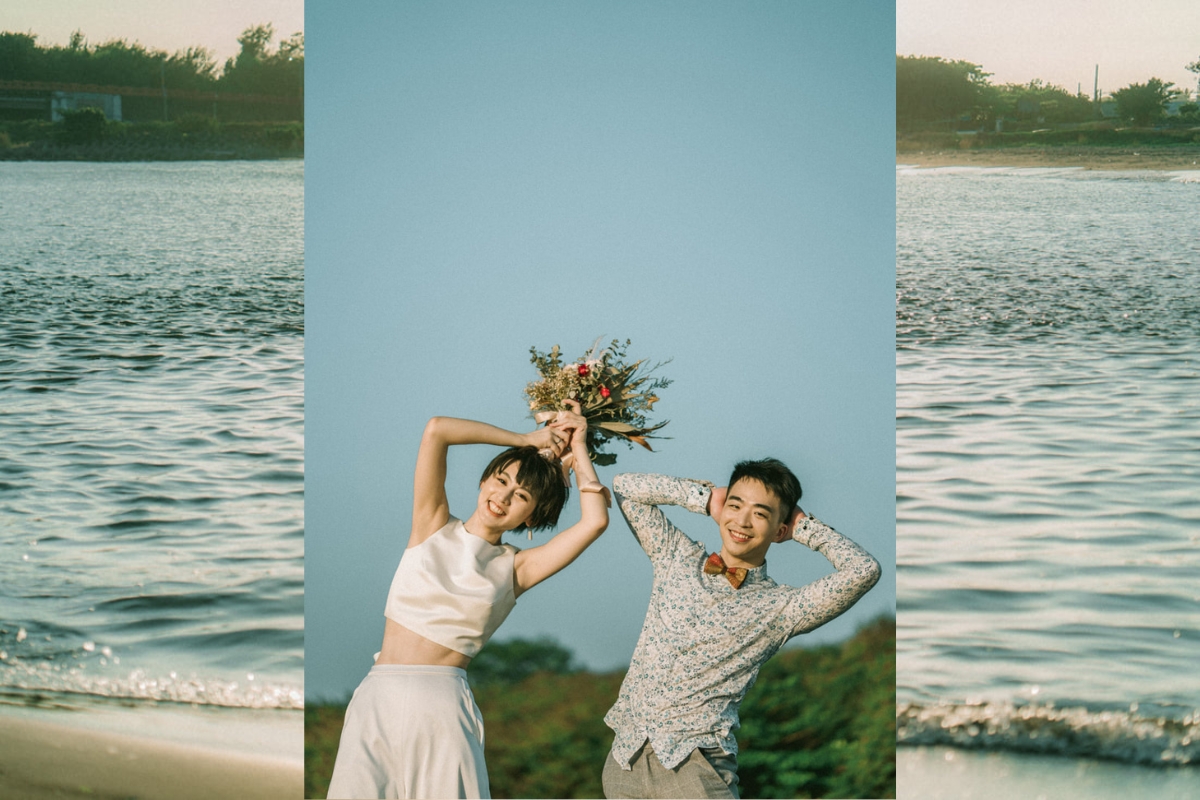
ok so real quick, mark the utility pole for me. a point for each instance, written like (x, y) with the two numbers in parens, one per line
(1096, 92)
(162, 68)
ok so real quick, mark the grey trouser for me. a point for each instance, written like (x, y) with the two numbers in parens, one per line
(707, 772)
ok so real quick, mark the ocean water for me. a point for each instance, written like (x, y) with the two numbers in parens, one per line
(1048, 462)
(151, 434)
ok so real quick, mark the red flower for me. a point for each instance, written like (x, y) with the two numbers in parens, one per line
(604, 392)
(583, 370)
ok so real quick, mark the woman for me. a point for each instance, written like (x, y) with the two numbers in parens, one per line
(412, 728)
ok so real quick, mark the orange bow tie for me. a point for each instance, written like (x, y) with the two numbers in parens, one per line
(716, 566)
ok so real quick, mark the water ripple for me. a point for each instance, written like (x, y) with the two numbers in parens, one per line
(151, 446)
(1048, 442)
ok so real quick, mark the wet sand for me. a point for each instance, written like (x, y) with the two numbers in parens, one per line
(46, 760)
(945, 773)
(1173, 158)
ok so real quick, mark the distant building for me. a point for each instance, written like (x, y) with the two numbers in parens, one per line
(110, 104)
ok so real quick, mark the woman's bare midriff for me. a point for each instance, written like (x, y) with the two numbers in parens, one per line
(402, 646)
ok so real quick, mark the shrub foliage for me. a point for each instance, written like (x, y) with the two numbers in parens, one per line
(818, 722)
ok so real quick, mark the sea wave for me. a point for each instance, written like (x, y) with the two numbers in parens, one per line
(1073, 173)
(1129, 736)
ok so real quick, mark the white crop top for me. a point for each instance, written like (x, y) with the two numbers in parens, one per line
(453, 588)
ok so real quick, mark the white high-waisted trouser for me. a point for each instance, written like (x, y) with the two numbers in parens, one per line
(411, 732)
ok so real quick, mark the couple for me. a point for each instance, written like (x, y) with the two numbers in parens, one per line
(412, 728)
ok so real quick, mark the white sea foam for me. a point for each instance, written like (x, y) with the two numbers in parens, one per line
(1116, 735)
(24, 680)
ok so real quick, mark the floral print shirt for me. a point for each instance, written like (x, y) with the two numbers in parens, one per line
(703, 642)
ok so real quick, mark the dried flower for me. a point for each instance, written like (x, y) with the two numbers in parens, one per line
(614, 396)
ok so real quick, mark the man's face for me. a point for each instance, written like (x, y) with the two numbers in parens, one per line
(749, 521)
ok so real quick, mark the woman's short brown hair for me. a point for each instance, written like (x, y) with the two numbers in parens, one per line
(541, 476)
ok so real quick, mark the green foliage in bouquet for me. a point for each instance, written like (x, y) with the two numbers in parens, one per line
(615, 396)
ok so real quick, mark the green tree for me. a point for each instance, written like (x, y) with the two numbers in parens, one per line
(258, 70)
(19, 56)
(1042, 103)
(546, 735)
(1143, 103)
(194, 68)
(292, 47)
(1190, 113)
(254, 43)
(822, 722)
(119, 63)
(514, 660)
(931, 90)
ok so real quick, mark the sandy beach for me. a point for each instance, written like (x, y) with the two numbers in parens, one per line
(944, 773)
(43, 760)
(1170, 158)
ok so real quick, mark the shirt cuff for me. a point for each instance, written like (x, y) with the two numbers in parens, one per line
(811, 532)
(698, 494)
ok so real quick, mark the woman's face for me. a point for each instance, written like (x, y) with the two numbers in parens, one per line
(503, 501)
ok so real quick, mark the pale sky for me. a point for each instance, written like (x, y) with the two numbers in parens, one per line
(536, 172)
(169, 25)
(1058, 41)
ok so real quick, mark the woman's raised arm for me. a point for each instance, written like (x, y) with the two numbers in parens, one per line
(431, 510)
(538, 563)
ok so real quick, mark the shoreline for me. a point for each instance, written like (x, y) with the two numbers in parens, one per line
(1153, 157)
(947, 773)
(44, 755)
(152, 156)
(180, 140)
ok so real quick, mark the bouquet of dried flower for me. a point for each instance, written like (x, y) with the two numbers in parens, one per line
(614, 395)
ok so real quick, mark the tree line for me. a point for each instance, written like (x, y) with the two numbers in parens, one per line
(818, 722)
(932, 92)
(256, 69)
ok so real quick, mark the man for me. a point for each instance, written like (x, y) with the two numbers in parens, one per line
(713, 621)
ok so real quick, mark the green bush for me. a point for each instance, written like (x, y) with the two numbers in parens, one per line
(83, 126)
(28, 130)
(513, 660)
(197, 123)
(817, 723)
(197, 138)
(822, 722)
(1067, 137)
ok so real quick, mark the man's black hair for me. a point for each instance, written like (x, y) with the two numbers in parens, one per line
(773, 474)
